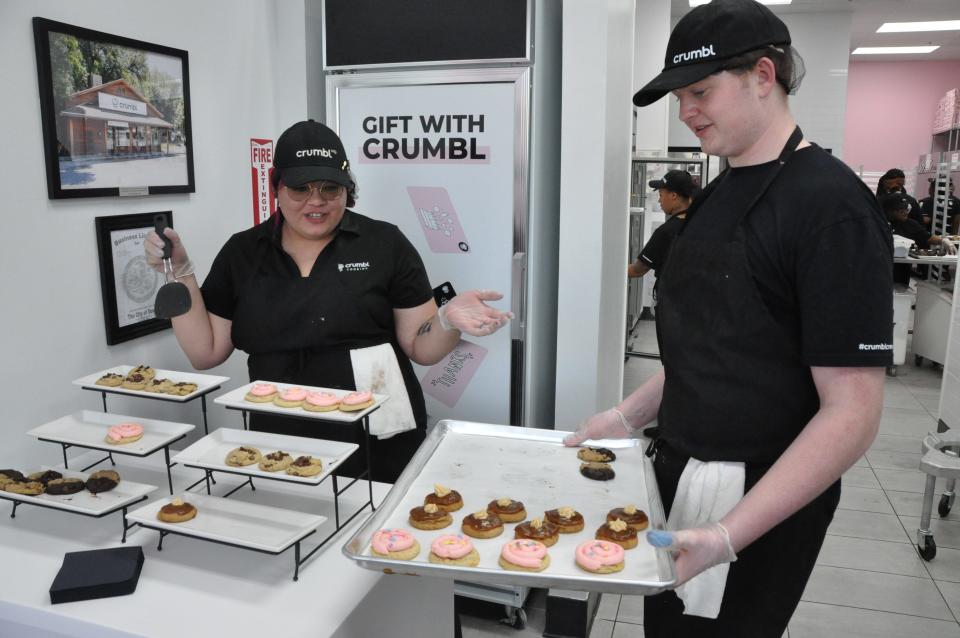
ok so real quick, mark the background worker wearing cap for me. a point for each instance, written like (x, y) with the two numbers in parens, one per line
(953, 209)
(319, 295)
(893, 181)
(773, 366)
(897, 208)
(676, 191)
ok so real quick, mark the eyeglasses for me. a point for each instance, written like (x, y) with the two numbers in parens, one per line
(328, 191)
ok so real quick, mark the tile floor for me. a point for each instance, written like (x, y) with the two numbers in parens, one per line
(869, 580)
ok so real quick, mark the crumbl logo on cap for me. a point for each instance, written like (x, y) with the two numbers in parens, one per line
(356, 266)
(696, 54)
(315, 152)
(876, 346)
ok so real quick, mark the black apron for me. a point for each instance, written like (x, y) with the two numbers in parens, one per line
(319, 305)
(736, 388)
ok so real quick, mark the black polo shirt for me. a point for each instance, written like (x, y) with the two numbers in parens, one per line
(910, 229)
(655, 252)
(369, 262)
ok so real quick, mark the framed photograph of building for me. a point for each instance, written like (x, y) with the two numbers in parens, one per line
(116, 113)
(128, 284)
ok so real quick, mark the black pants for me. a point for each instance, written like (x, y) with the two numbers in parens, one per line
(766, 581)
(388, 457)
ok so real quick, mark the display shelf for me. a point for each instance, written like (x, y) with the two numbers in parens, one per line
(84, 503)
(250, 526)
(206, 383)
(86, 429)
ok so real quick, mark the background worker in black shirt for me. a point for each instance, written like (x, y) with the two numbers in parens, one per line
(897, 208)
(773, 365)
(676, 191)
(894, 181)
(322, 296)
(953, 208)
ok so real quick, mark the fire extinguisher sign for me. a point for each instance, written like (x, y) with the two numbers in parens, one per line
(261, 162)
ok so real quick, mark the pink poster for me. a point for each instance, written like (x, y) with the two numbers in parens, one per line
(447, 380)
(438, 219)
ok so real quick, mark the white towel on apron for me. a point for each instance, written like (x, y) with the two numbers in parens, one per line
(705, 493)
(376, 369)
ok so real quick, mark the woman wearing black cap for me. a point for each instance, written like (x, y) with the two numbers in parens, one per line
(319, 295)
(772, 380)
(676, 191)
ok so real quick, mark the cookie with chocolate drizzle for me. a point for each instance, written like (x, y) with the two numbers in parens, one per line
(177, 511)
(567, 519)
(538, 530)
(637, 519)
(443, 497)
(616, 531)
(482, 524)
(429, 516)
(509, 510)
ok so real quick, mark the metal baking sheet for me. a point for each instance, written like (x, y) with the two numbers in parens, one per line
(84, 502)
(484, 462)
(205, 383)
(88, 429)
(234, 399)
(211, 451)
(223, 520)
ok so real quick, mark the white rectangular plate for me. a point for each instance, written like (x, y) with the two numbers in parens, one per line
(485, 462)
(88, 429)
(83, 502)
(268, 529)
(234, 399)
(211, 451)
(205, 383)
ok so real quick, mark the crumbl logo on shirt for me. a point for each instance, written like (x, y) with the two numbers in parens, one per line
(876, 346)
(356, 266)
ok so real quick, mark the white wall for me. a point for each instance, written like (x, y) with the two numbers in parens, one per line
(650, 44)
(594, 197)
(823, 40)
(52, 330)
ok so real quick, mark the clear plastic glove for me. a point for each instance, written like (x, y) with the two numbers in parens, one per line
(695, 550)
(467, 313)
(609, 424)
(947, 247)
(153, 249)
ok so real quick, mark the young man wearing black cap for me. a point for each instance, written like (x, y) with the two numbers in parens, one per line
(676, 191)
(953, 208)
(773, 365)
(322, 296)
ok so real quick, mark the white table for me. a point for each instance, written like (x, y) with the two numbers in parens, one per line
(195, 588)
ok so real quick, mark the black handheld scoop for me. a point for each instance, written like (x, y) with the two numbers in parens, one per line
(173, 298)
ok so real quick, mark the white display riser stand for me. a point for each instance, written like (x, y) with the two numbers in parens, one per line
(203, 589)
(950, 388)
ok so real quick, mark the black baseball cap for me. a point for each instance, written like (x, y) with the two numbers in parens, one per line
(707, 37)
(677, 181)
(309, 152)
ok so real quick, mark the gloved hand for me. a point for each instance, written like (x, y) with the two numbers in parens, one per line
(467, 313)
(696, 549)
(609, 424)
(947, 247)
(153, 249)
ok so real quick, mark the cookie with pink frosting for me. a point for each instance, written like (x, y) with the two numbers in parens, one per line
(290, 398)
(524, 555)
(454, 549)
(122, 433)
(394, 543)
(261, 393)
(321, 402)
(599, 557)
(356, 401)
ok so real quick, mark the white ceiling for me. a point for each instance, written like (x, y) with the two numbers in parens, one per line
(868, 15)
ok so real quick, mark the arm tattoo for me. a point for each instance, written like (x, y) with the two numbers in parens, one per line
(425, 328)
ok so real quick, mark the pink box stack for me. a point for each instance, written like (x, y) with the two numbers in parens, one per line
(948, 112)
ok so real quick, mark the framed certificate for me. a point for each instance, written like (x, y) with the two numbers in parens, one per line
(128, 284)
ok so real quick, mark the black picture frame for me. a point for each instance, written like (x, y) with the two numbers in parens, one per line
(120, 247)
(115, 113)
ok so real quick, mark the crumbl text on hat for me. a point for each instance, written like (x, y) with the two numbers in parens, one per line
(696, 54)
(314, 152)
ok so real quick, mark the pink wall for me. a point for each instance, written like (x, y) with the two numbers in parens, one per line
(890, 109)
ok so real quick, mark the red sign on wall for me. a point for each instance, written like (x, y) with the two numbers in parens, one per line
(261, 162)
